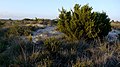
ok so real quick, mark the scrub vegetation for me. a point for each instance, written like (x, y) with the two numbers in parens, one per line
(82, 43)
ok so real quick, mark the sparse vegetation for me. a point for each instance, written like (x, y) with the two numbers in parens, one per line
(78, 25)
(115, 25)
(55, 52)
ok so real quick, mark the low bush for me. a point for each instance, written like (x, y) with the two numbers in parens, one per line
(82, 23)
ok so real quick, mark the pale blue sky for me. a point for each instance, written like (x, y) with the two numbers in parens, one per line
(19, 9)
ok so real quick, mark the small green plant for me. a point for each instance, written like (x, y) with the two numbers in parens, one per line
(1, 24)
(17, 30)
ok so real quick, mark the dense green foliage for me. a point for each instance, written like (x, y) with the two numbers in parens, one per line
(83, 23)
